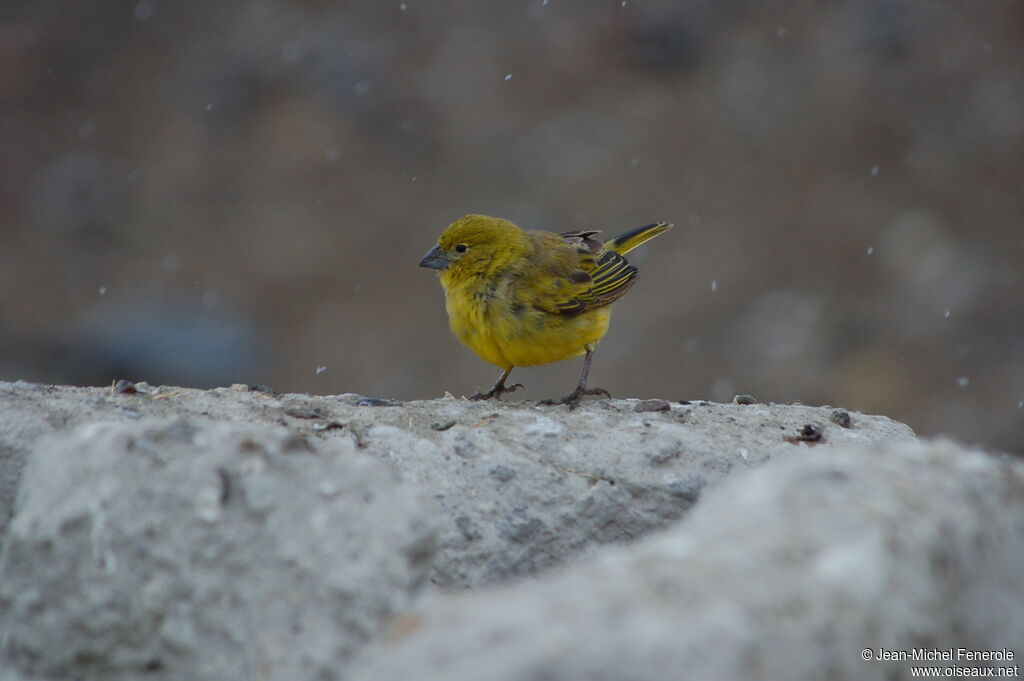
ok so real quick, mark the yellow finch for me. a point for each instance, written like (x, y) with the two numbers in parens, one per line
(522, 298)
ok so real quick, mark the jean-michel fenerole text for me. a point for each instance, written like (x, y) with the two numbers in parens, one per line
(946, 654)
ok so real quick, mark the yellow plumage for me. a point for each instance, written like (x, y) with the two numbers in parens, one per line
(522, 298)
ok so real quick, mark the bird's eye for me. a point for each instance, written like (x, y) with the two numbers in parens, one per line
(461, 248)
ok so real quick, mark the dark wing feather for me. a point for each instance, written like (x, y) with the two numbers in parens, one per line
(584, 244)
(611, 279)
(600, 277)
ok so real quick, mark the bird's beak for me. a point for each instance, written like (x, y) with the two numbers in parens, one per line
(435, 259)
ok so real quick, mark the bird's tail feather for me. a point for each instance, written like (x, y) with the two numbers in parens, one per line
(624, 243)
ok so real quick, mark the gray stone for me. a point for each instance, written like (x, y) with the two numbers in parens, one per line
(197, 550)
(520, 488)
(786, 572)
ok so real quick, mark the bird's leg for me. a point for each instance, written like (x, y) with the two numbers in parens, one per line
(499, 388)
(573, 398)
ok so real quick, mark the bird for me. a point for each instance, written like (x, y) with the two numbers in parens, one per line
(529, 297)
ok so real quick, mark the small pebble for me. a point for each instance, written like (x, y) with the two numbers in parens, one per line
(652, 405)
(299, 413)
(375, 402)
(744, 399)
(808, 433)
(123, 387)
(841, 417)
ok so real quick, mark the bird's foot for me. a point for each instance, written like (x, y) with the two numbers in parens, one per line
(496, 392)
(573, 399)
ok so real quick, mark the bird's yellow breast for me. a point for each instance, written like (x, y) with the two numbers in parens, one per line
(497, 322)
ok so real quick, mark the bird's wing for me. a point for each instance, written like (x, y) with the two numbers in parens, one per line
(579, 274)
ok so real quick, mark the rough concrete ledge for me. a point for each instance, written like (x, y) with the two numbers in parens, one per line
(520, 488)
(235, 533)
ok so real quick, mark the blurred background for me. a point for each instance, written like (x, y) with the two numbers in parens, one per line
(207, 193)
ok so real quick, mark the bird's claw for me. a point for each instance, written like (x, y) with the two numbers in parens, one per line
(574, 398)
(496, 392)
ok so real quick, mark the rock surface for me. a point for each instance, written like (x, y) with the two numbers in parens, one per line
(235, 533)
(205, 551)
(786, 572)
(521, 488)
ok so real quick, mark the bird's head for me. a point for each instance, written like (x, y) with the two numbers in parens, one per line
(473, 245)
